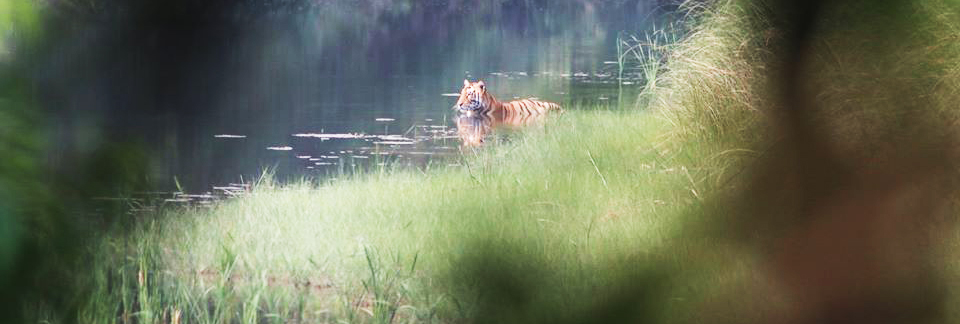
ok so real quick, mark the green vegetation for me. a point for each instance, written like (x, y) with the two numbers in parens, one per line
(596, 216)
(397, 244)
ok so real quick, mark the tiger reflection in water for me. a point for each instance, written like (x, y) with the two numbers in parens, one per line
(480, 113)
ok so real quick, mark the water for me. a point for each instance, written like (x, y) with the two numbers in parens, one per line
(318, 89)
(396, 124)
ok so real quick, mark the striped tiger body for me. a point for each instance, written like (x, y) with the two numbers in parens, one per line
(474, 99)
(481, 113)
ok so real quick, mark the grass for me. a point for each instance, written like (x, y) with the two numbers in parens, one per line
(393, 246)
(597, 216)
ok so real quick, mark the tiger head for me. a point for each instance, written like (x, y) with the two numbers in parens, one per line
(473, 97)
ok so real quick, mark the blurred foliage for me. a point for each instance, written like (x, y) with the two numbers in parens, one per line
(19, 19)
(27, 216)
(38, 243)
(44, 211)
(515, 285)
(838, 124)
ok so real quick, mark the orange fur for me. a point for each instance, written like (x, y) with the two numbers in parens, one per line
(474, 98)
(481, 113)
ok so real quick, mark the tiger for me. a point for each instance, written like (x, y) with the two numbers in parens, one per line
(480, 113)
(474, 99)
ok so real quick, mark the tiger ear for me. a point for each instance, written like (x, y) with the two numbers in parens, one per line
(480, 83)
(466, 83)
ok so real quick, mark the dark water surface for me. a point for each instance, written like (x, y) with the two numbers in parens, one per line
(333, 87)
(401, 121)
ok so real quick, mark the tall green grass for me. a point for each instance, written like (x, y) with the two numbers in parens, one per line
(579, 195)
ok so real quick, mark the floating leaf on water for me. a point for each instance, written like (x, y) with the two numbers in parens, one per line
(394, 143)
(394, 138)
(279, 148)
(230, 188)
(384, 119)
(229, 136)
(206, 196)
(326, 136)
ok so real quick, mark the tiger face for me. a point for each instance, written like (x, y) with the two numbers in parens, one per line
(472, 96)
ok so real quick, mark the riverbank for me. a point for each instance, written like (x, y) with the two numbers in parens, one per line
(585, 190)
